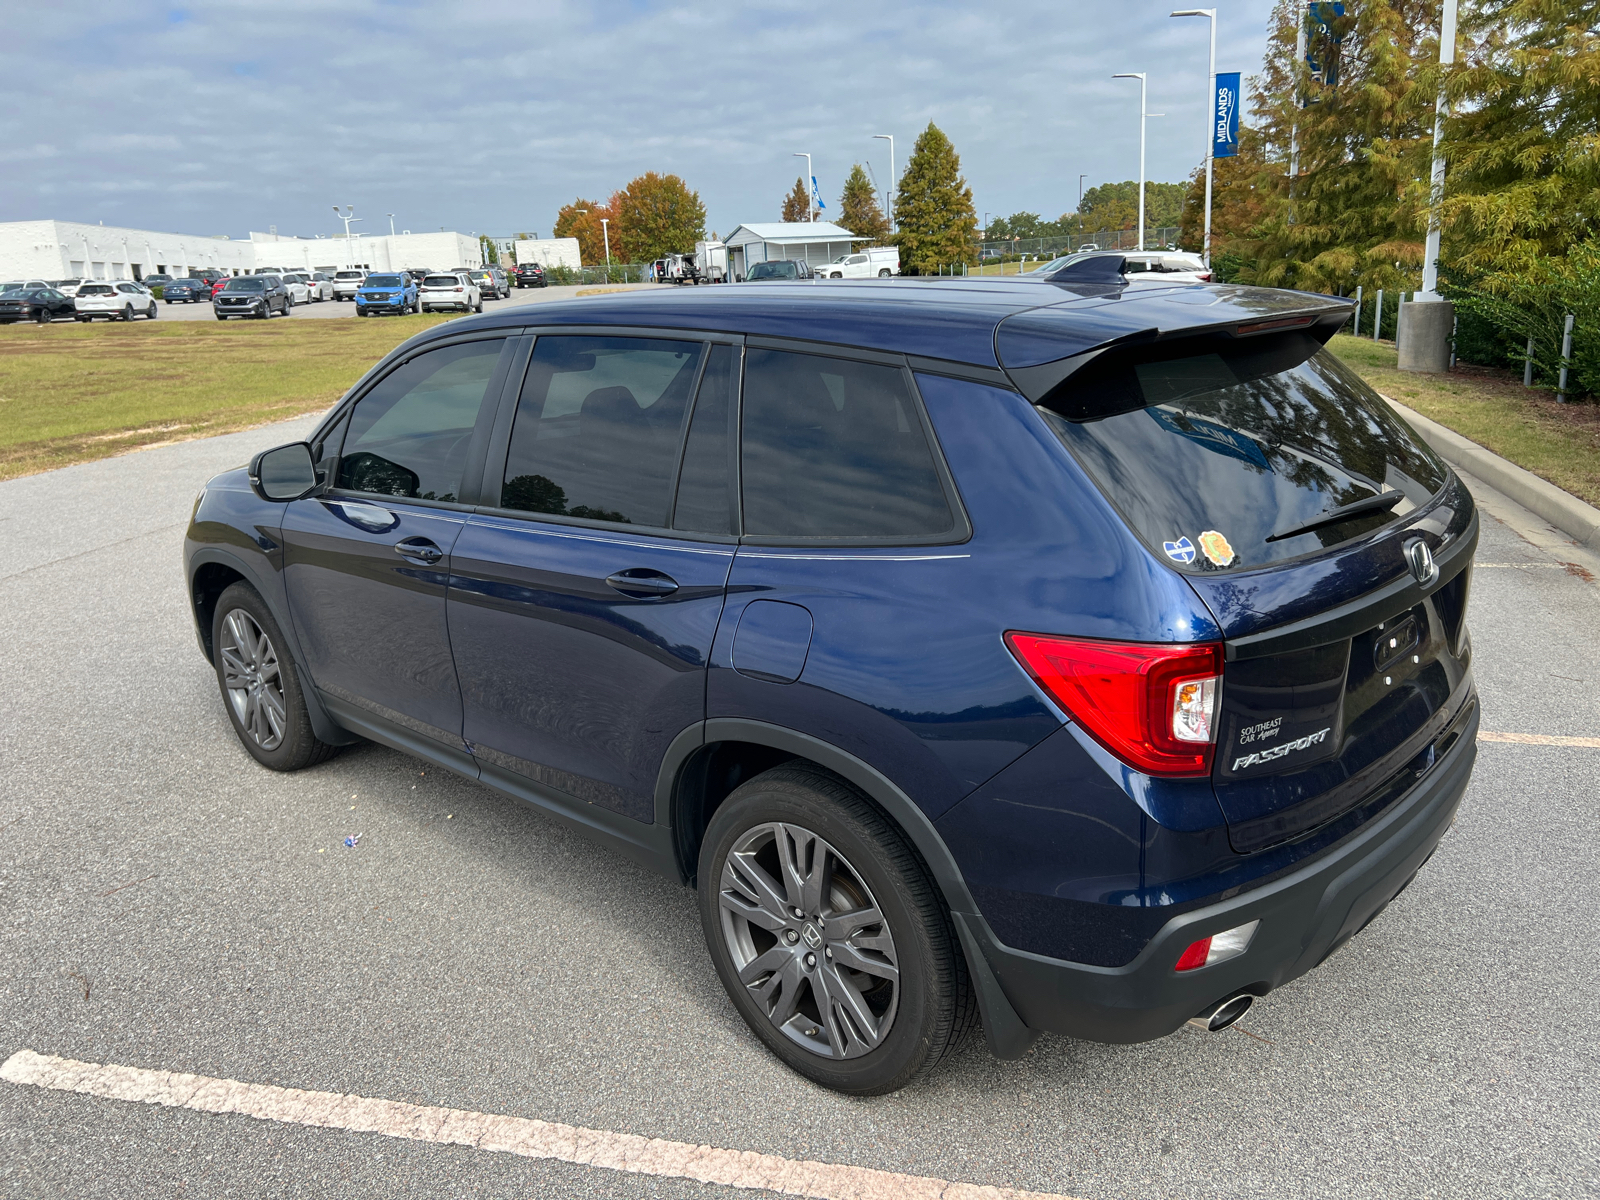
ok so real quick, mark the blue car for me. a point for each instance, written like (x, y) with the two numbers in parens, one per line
(392, 293)
(1062, 653)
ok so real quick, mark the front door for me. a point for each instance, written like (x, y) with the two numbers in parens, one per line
(583, 608)
(367, 561)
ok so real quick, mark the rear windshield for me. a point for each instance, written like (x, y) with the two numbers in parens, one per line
(243, 284)
(1213, 472)
(449, 281)
(348, 275)
(95, 289)
(383, 281)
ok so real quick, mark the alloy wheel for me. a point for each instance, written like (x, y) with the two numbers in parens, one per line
(251, 676)
(808, 941)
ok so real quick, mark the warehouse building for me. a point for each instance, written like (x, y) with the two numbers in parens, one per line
(73, 250)
(813, 242)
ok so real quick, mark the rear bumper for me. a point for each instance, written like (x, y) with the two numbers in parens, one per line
(1305, 916)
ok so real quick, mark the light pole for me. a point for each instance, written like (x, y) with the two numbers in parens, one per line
(810, 211)
(349, 218)
(605, 232)
(894, 180)
(1143, 89)
(1447, 56)
(1211, 102)
(391, 224)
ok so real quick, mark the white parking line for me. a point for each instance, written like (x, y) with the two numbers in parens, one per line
(487, 1131)
(1539, 739)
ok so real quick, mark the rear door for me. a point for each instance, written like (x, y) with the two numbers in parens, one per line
(583, 604)
(1347, 657)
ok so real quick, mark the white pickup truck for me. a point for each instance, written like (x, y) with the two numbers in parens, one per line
(876, 261)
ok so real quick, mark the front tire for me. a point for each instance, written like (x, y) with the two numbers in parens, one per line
(41, 317)
(884, 273)
(260, 686)
(829, 935)
(127, 313)
(152, 312)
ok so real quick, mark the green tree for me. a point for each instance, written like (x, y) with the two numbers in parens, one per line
(858, 207)
(797, 204)
(1110, 207)
(491, 252)
(933, 207)
(572, 221)
(659, 215)
(1523, 140)
(1237, 203)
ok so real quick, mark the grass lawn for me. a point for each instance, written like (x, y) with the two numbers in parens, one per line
(71, 393)
(1558, 442)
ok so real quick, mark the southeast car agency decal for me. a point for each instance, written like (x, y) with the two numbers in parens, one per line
(1216, 549)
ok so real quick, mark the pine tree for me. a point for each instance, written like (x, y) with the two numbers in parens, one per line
(933, 208)
(1523, 139)
(858, 207)
(797, 204)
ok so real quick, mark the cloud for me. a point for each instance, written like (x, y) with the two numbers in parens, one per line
(489, 116)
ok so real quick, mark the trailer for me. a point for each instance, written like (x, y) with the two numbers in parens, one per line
(711, 262)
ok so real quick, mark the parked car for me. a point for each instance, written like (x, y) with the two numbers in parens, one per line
(68, 287)
(491, 281)
(320, 283)
(875, 261)
(42, 305)
(295, 284)
(394, 292)
(185, 291)
(455, 292)
(347, 283)
(257, 296)
(530, 275)
(23, 285)
(209, 274)
(115, 300)
(778, 268)
(1095, 661)
(1137, 266)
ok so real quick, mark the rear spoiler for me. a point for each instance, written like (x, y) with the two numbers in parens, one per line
(1255, 331)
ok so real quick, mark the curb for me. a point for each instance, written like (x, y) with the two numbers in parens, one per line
(1566, 512)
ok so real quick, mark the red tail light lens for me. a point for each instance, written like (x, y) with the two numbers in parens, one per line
(1153, 705)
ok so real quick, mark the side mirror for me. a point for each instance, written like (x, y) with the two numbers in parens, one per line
(285, 473)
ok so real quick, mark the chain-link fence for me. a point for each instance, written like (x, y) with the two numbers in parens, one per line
(1055, 247)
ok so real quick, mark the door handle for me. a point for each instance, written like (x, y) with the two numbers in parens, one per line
(419, 548)
(641, 583)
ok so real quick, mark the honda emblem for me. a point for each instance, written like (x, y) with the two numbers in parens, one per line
(1420, 559)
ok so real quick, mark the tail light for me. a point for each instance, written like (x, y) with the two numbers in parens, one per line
(1153, 705)
(1205, 277)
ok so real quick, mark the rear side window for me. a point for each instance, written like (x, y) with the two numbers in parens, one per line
(833, 448)
(410, 435)
(1219, 470)
(598, 427)
(705, 494)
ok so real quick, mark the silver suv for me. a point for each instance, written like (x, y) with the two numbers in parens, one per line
(347, 283)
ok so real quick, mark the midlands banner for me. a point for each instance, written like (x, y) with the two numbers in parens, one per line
(1225, 116)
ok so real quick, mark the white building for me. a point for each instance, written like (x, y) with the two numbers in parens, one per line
(72, 250)
(813, 242)
(548, 252)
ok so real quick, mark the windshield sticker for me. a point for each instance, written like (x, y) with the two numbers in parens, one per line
(1181, 550)
(1279, 751)
(1216, 548)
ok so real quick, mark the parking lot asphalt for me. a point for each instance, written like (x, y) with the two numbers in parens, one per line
(324, 309)
(167, 904)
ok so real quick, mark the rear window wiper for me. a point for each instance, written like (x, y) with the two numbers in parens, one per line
(1333, 516)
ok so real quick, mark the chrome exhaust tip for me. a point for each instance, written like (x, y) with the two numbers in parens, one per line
(1224, 1014)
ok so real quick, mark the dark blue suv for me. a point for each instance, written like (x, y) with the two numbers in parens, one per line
(1083, 658)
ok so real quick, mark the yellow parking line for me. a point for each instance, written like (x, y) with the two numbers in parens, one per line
(1539, 739)
(487, 1131)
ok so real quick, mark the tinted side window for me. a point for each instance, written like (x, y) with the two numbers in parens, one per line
(835, 448)
(705, 498)
(598, 427)
(410, 434)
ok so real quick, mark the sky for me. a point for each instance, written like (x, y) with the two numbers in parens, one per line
(487, 116)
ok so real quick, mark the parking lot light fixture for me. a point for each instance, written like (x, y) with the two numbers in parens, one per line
(391, 224)
(811, 213)
(1211, 98)
(605, 233)
(893, 178)
(1144, 88)
(349, 218)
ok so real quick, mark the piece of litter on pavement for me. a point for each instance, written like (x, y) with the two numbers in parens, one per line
(451, 817)
(352, 840)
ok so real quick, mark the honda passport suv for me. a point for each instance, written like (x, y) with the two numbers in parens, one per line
(1068, 657)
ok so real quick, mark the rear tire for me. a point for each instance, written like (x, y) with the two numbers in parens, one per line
(261, 690)
(41, 317)
(884, 273)
(804, 992)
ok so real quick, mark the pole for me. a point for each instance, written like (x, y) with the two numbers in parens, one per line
(1447, 56)
(810, 211)
(1356, 332)
(1143, 86)
(1527, 365)
(605, 232)
(1211, 100)
(1377, 320)
(1566, 358)
(391, 224)
(893, 178)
